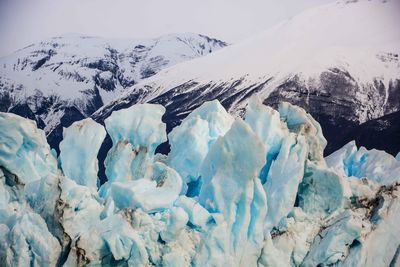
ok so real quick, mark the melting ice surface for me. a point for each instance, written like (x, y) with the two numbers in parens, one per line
(232, 192)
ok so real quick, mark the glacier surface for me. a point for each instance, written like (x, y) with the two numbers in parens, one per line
(231, 192)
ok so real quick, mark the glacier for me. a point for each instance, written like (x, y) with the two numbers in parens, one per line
(232, 192)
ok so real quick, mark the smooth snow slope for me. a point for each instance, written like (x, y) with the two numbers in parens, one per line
(307, 43)
(339, 61)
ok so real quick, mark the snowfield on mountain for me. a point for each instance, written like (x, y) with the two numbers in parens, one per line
(67, 78)
(339, 61)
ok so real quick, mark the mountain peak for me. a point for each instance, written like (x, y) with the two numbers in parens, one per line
(79, 73)
(339, 62)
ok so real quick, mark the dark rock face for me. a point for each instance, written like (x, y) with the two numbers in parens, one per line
(45, 56)
(107, 83)
(393, 101)
(183, 99)
(70, 115)
(24, 110)
(336, 96)
(338, 102)
(382, 133)
(180, 102)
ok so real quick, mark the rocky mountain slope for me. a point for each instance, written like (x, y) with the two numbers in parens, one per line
(382, 133)
(67, 78)
(338, 61)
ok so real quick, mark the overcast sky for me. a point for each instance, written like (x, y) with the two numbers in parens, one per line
(23, 22)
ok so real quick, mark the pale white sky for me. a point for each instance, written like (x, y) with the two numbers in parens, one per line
(23, 22)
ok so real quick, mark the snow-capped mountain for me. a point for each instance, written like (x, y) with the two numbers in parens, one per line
(67, 78)
(339, 61)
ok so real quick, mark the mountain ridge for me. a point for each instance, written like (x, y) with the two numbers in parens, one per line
(67, 77)
(338, 61)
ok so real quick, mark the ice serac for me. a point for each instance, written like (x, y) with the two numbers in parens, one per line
(284, 177)
(333, 213)
(78, 151)
(374, 164)
(290, 140)
(24, 150)
(140, 125)
(191, 141)
(266, 123)
(319, 191)
(301, 122)
(135, 178)
(233, 193)
(140, 129)
(25, 239)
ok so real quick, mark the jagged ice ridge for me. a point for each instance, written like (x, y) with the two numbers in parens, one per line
(231, 192)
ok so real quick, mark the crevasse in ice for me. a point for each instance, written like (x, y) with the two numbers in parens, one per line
(231, 192)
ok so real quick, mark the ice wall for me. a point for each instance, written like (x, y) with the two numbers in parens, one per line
(256, 192)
